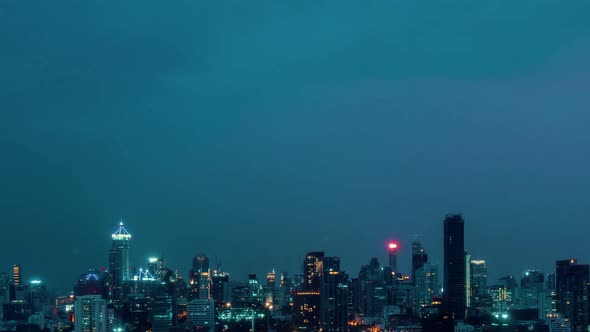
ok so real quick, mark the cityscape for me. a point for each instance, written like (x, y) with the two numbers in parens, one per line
(456, 296)
(294, 166)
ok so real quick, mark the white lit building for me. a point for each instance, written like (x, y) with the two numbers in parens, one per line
(90, 314)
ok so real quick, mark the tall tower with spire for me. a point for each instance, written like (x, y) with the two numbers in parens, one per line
(119, 260)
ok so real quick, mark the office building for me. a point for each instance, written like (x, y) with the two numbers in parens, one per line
(427, 286)
(312, 269)
(532, 290)
(333, 296)
(393, 249)
(201, 315)
(199, 278)
(572, 287)
(220, 288)
(419, 257)
(91, 314)
(119, 267)
(454, 266)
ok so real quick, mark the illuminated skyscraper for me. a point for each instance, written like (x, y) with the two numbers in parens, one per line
(478, 288)
(91, 314)
(419, 257)
(286, 287)
(427, 286)
(16, 275)
(199, 278)
(454, 264)
(220, 288)
(312, 271)
(393, 249)
(271, 294)
(119, 260)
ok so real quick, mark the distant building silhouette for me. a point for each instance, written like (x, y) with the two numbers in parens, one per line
(572, 289)
(419, 257)
(454, 265)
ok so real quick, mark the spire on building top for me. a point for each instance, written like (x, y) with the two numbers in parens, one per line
(121, 233)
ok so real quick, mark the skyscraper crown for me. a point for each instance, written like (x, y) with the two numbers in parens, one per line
(121, 233)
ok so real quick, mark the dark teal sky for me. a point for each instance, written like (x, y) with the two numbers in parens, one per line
(255, 131)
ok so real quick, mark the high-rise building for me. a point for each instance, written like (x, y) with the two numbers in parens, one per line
(285, 290)
(119, 268)
(427, 286)
(271, 291)
(162, 313)
(508, 292)
(333, 296)
(306, 310)
(419, 257)
(201, 315)
(306, 302)
(532, 290)
(37, 295)
(373, 298)
(312, 269)
(91, 314)
(220, 289)
(572, 283)
(255, 292)
(454, 264)
(154, 266)
(479, 277)
(199, 278)
(393, 248)
(479, 297)
(16, 275)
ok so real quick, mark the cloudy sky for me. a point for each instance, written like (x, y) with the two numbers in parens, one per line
(255, 131)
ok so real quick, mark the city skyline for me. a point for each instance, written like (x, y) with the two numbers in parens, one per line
(403, 248)
(385, 148)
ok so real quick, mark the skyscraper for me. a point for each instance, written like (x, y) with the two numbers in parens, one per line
(16, 275)
(119, 260)
(312, 270)
(427, 286)
(419, 257)
(532, 287)
(271, 294)
(333, 297)
(91, 314)
(478, 288)
(393, 249)
(220, 290)
(307, 301)
(572, 293)
(454, 264)
(199, 278)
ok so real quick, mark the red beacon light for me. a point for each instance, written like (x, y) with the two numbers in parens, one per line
(392, 245)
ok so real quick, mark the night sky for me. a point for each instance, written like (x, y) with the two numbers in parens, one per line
(255, 131)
